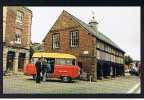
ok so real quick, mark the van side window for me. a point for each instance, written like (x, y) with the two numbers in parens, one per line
(69, 62)
(60, 61)
(65, 61)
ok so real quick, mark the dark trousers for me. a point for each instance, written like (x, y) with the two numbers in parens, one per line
(38, 77)
(44, 70)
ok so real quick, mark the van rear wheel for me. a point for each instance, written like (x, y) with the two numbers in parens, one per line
(66, 79)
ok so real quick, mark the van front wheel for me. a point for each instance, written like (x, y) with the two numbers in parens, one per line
(66, 79)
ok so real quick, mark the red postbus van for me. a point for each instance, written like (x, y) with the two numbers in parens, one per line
(63, 66)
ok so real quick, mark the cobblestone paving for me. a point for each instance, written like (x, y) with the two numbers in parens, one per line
(25, 85)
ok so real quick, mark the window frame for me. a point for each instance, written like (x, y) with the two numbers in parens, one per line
(18, 35)
(76, 40)
(54, 34)
(19, 16)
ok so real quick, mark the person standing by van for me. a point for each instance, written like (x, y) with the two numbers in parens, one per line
(38, 69)
(49, 67)
(44, 69)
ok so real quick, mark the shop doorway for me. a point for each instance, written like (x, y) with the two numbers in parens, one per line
(10, 61)
(21, 61)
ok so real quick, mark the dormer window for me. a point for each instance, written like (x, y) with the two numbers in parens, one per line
(19, 17)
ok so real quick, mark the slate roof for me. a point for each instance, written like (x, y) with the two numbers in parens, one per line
(98, 34)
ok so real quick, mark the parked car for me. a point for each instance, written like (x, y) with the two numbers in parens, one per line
(134, 70)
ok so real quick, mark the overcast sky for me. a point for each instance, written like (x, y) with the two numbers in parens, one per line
(120, 24)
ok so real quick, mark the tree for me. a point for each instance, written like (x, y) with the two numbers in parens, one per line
(128, 60)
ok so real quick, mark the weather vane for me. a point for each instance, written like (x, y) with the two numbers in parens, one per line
(93, 14)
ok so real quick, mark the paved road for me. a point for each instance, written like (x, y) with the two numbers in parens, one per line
(25, 84)
(138, 90)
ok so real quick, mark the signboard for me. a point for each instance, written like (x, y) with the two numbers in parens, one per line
(85, 52)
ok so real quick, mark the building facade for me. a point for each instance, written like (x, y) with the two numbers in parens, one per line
(37, 47)
(16, 37)
(97, 55)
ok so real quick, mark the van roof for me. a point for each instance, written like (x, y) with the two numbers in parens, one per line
(53, 55)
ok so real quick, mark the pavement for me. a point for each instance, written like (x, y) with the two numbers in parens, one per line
(22, 84)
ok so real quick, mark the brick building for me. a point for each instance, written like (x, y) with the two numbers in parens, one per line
(16, 37)
(98, 56)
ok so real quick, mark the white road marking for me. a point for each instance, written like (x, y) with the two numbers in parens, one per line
(138, 91)
(134, 88)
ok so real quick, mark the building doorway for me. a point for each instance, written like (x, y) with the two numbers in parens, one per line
(89, 66)
(113, 65)
(10, 61)
(106, 69)
(21, 61)
(99, 70)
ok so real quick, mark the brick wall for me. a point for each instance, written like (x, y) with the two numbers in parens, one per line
(12, 25)
(64, 25)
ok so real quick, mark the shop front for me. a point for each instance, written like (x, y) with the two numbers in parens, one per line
(15, 59)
